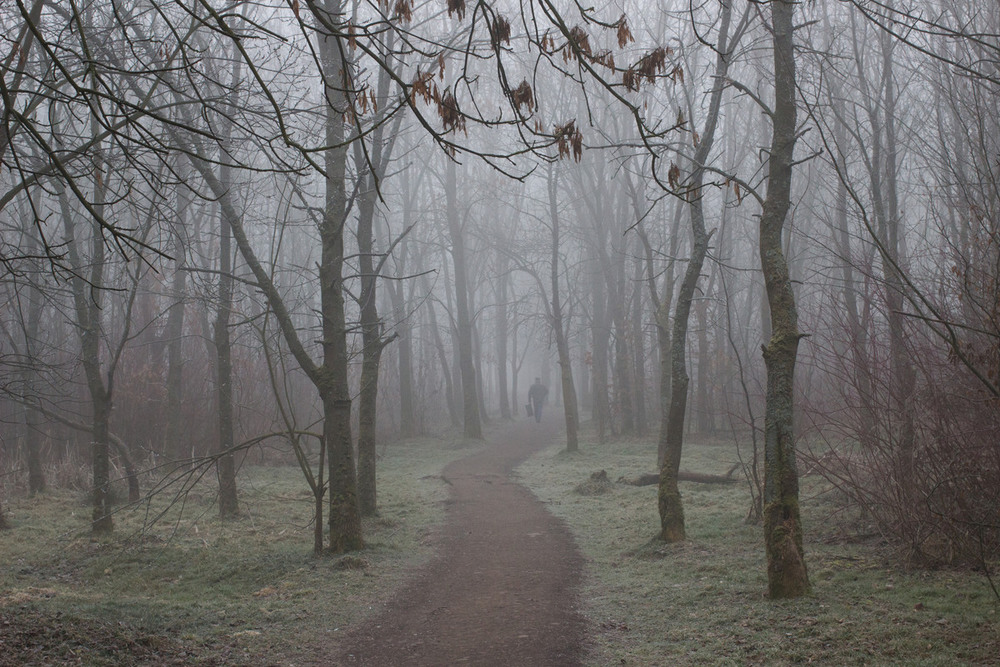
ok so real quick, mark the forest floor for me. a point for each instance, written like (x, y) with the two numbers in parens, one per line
(464, 564)
(501, 590)
(175, 584)
(703, 602)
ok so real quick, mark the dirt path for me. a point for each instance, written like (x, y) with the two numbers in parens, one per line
(501, 590)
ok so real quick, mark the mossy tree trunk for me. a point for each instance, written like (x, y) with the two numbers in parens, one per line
(786, 568)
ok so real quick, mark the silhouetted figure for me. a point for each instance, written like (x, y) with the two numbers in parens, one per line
(536, 398)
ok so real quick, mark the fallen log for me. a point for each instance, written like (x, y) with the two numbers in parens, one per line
(651, 478)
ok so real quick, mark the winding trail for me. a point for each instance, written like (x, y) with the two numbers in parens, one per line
(502, 589)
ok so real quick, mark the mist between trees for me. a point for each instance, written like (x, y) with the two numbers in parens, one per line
(296, 231)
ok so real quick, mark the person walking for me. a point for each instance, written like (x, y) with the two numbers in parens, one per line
(537, 394)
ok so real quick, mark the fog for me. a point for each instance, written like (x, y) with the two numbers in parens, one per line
(301, 233)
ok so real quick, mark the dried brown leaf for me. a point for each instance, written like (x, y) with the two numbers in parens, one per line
(569, 140)
(523, 96)
(624, 34)
(674, 176)
(451, 114)
(499, 31)
(404, 10)
(577, 37)
(456, 7)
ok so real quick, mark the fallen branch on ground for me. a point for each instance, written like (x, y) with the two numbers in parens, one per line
(651, 478)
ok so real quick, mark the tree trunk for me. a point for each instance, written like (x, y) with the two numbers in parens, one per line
(672, 436)
(786, 568)
(857, 332)
(515, 367)
(29, 374)
(619, 311)
(88, 300)
(455, 379)
(477, 349)
(502, 333)
(449, 389)
(903, 375)
(32, 441)
(344, 516)
(225, 463)
(100, 394)
(404, 330)
(102, 521)
(639, 354)
(372, 345)
(174, 333)
(559, 328)
(705, 411)
(470, 401)
(601, 411)
(367, 415)
(623, 360)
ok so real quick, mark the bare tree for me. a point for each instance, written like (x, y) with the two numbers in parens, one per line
(373, 341)
(559, 324)
(786, 567)
(463, 317)
(672, 436)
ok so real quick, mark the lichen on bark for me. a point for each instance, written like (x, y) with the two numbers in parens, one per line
(786, 569)
(671, 513)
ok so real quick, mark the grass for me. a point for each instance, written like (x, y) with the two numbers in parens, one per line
(192, 589)
(199, 590)
(703, 602)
